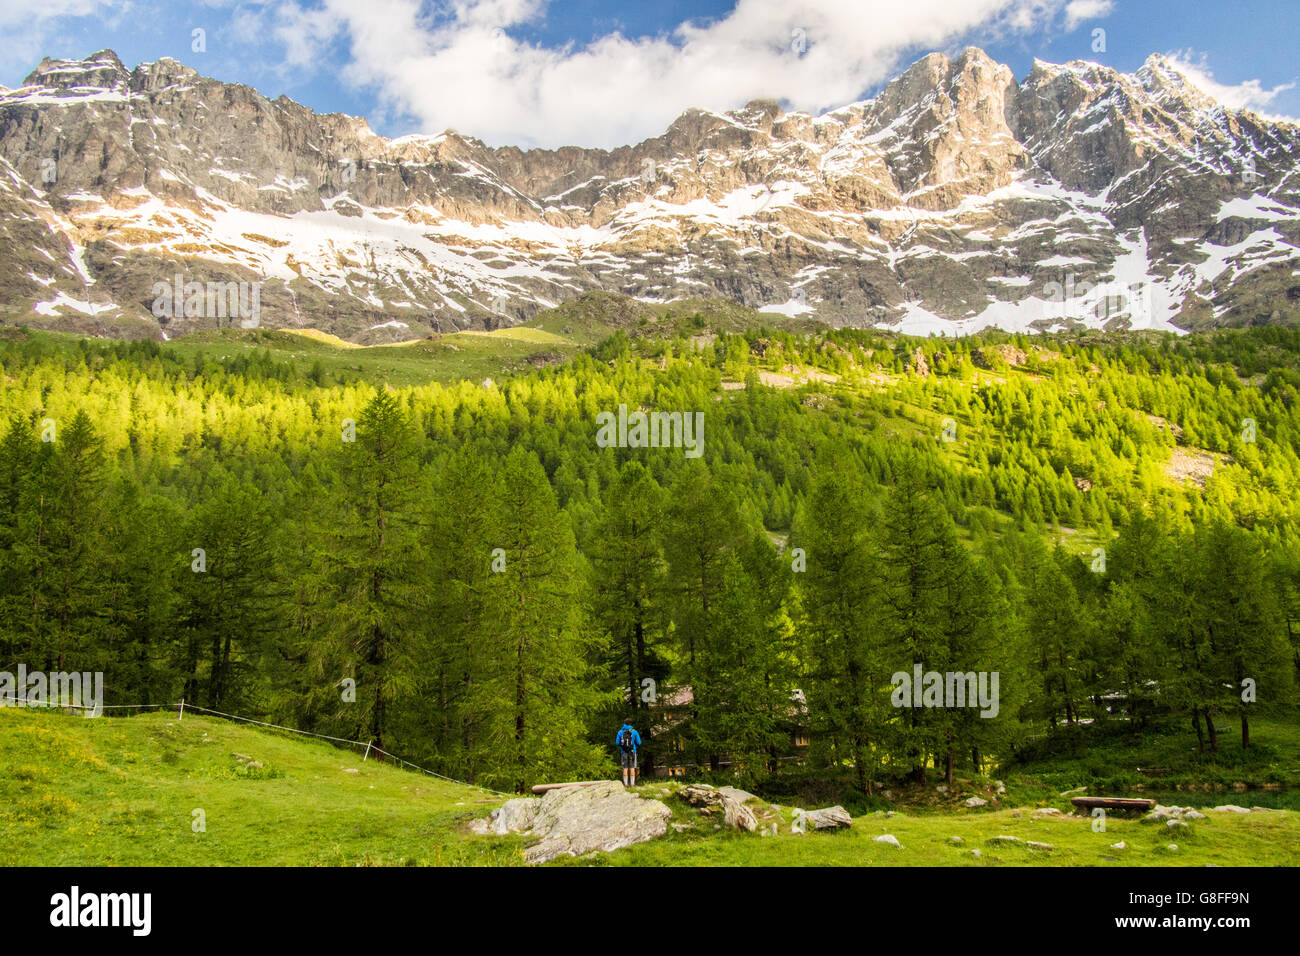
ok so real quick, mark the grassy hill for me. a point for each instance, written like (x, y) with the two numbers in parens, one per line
(123, 791)
(552, 337)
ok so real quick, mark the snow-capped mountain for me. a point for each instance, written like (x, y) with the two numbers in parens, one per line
(956, 199)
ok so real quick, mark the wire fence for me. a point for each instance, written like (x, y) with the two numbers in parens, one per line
(181, 707)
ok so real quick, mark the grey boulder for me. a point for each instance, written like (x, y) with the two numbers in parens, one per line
(829, 818)
(604, 817)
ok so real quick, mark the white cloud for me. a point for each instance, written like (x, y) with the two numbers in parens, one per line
(457, 65)
(1249, 95)
(1077, 11)
(26, 27)
(19, 12)
(302, 31)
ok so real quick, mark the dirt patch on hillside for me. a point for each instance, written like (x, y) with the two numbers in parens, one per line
(790, 376)
(1191, 464)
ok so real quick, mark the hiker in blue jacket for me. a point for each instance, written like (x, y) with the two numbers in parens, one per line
(627, 740)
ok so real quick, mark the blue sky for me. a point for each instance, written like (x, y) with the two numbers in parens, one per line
(604, 73)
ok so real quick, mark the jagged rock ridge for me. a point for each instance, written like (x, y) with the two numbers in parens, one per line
(955, 199)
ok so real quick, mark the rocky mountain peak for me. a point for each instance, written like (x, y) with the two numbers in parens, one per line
(762, 113)
(954, 199)
(977, 63)
(102, 70)
(1170, 85)
(161, 74)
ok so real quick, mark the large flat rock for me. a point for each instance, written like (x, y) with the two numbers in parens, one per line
(605, 817)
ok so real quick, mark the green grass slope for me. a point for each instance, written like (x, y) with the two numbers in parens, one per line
(124, 791)
(1269, 838)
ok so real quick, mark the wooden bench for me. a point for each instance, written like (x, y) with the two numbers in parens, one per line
(1113, 803)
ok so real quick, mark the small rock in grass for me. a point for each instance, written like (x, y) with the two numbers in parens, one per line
(740, 796)
(1121, 845)
(736, 814)
(956, 840)
(890, 839)
(1161, 813)
(1172, 847)
(976, 853)
(1047, 812)
(829, 818)
(1035, 845)
(975, 802)
(1230, 808)
(1003, 838)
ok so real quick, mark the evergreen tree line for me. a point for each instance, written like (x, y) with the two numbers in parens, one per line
(461, 576)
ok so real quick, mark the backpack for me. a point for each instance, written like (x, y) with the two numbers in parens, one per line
(625, 740)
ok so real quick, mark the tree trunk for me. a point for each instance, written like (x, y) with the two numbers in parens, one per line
(950, 760)
(214, 676)
(377, 715)
(521, 698)
(634, 699)
(860, 765)
(466, 732)
(640, 643)
(222, 685)
(446, 706)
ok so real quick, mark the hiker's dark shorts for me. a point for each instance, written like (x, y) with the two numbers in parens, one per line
(628, 760)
